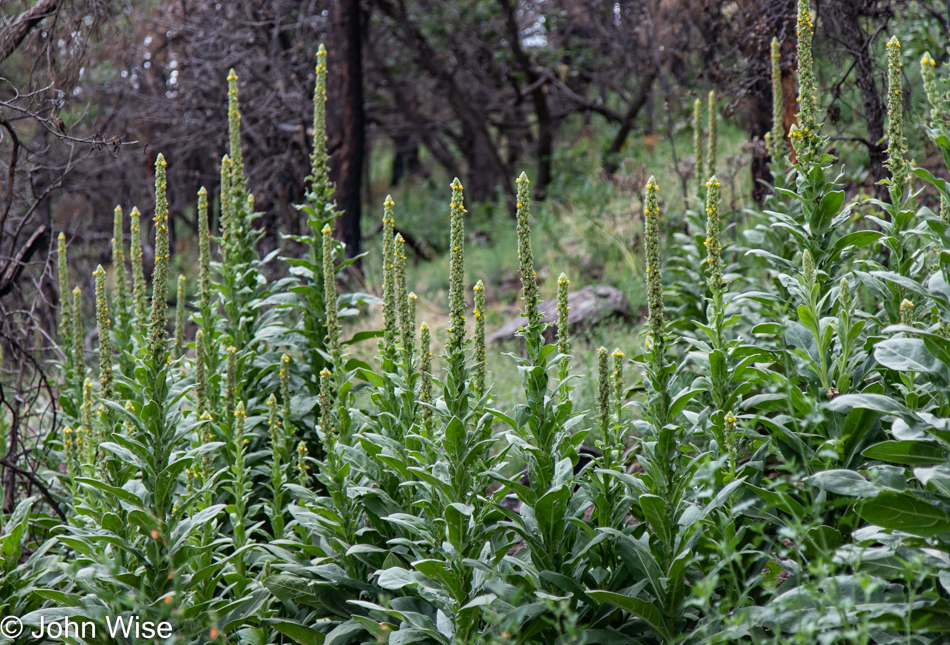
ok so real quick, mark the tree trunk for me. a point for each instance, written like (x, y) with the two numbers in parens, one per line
(347, 165)
(847, 17)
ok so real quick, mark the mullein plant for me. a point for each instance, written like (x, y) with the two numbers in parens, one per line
(775, 139)
(148, 534)
(321, 213)
(139, 296)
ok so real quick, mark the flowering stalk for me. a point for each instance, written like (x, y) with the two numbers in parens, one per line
(65, 304)
(201, 376)
(285, 394)
(425, 369)
(303, 477)
(413, 299)
(230, 384)
(180, 319)
(603, 391)
(907, 313)
(617, 378)
(104, 323)
(698, 140)
(777, 148)
(79, 336)
(204, 256)
(121, 301)
(937, 103)
(896, 147)
(329, 295)
(478, 376)
(804, 134)
(406, 331)
(713, 134)
(227, 209)
(319, 173)
(157, 320)
(88, 432)
(563, 332)
(238, 183)
(456, 330)
(390, 324)
(138, 273)
(655, 316)
(529, 277)
(713, 242)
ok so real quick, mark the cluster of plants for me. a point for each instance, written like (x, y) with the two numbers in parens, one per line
(770, 465)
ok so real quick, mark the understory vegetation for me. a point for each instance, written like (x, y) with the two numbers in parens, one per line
(769, 462)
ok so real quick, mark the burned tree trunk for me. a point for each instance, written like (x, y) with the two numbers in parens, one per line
(347, 165)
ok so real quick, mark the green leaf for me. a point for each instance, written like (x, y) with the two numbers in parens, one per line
(844, 482)
(639, 608)
(909, 355)
(300, 633)
(905, 512)
(908, 453)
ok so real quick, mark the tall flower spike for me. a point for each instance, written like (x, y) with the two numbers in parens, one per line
(138, 273)
(713, 135)
(201, 377)
(804, 134)
(326, 408)
(907, 313)
(104, 323)
(778, 100)
(230, 383)
(285, 391)
(425, 368)
(617, 376)
(158, 319)
(478, 377)
(413, 299)
(402, 292)
(234, 137)
(180, 319)
(319, 174)
(87, 425)
(227, 205)
(456, 330)
(204, 253)
(603, 385)
(896, 146)
(563, 309)
(927, 65)
(329, 290)
(713, 242)
(118, 266)
(807, 90)
(302, 466)
(79, 335)
(390, 324)
(529, 278)
(65, 324)
(698, 139)
(654, 279)
(273, 426)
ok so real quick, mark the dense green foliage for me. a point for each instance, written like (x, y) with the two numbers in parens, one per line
(776, 470)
